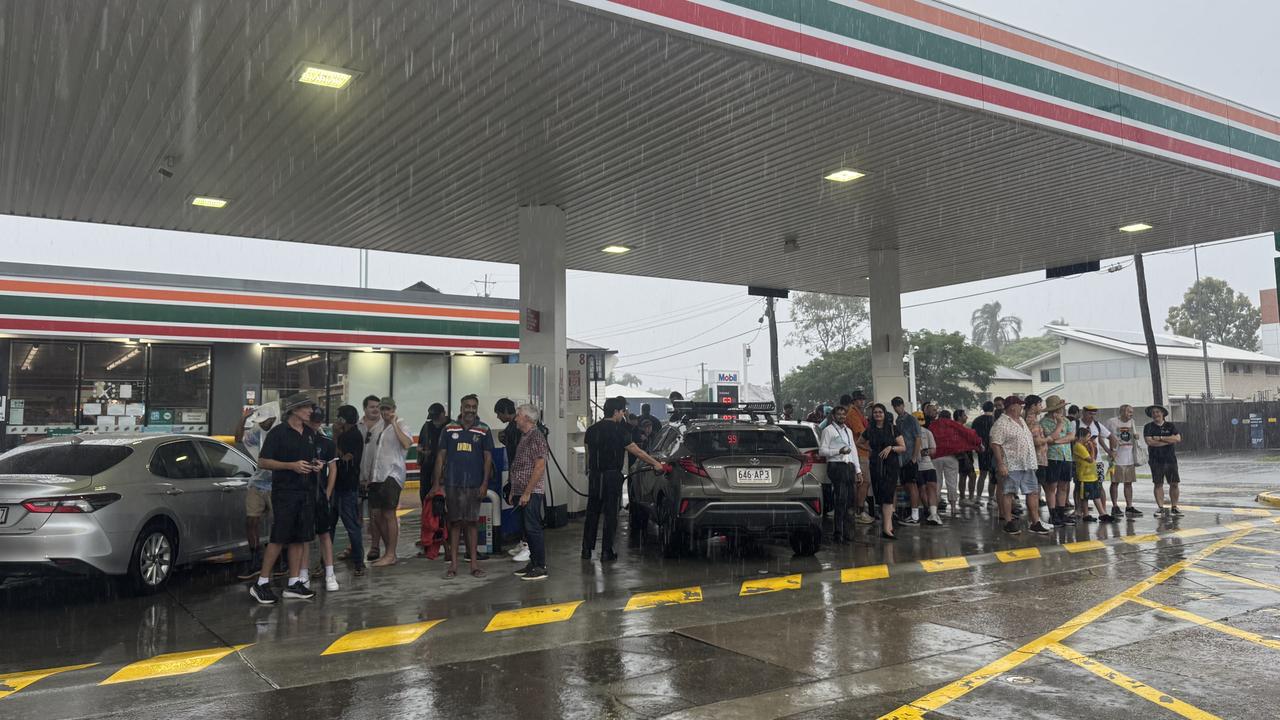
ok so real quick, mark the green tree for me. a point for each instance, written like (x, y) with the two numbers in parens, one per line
(1229, 317)
(991, 330)
(827, 323)
(948, 368)
(1025, 348)
(828, 377)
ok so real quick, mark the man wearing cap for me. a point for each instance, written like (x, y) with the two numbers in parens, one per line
(1014, 452)
(1161, 437)
(1124, 435)
(856, 420)
(326, 503)
(464, 467)
(391, 447)
(250, 432)
(289, 452)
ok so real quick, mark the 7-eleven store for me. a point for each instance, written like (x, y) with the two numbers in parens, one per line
(136, 352)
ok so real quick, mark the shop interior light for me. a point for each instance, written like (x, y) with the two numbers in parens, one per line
(30, 358)
(304, 359)
(844, 175)
(1135, 227)
(328, 76)
(206, 201)
(123, 359)
(196, 366)
(615, 249)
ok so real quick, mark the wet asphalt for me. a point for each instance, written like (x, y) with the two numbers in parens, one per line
(827, 649)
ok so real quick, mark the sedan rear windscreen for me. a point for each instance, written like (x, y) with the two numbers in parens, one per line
(714, 443)
(69, 459)
(802, 436)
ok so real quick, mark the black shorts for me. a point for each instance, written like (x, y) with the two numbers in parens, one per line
(1042, 474)
(1060, 471)
(966, 464)
(1089, 490)
(384, 495)
(907, 473)
(1165, 472)
(925, 477)
(326, 514)
(985, 461)
(294, 518)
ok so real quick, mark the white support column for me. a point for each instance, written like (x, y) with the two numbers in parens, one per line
(542, 288)
(886, 326)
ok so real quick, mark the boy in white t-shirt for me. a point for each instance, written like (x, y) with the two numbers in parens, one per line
(1123, 431)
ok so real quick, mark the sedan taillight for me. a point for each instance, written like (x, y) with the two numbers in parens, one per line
(693, 467)
(70, 503)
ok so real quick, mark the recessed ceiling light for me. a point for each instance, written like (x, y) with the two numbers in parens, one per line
(615, 249)
(842, 176)
(209, 202)
(1136, 227)
(328, 76)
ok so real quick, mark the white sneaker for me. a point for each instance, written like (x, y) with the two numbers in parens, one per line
(523, 547)
(522, 556)
(865, 519)
(331, 583)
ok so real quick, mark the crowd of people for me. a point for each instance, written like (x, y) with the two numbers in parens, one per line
(885, 466)
(1025, 452)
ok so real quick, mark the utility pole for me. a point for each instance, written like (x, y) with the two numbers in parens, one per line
(773, 350)
(1157, 387)
(1204, 343)
(485, 283)
(702, 379)
(746, 362)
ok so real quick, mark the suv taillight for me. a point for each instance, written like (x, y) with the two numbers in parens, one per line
(70, 503)
(807, 466)
(814, 457)
(693, 467)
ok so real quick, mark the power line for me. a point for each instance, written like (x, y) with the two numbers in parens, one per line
(644, 323)
(726, 321)
(693, 349)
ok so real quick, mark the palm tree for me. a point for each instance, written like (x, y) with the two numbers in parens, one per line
(991, 331)
(629, 380)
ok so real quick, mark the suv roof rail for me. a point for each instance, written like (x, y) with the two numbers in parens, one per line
(686, 410)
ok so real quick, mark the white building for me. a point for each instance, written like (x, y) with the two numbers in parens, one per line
(1108, 368)
(1269, 330)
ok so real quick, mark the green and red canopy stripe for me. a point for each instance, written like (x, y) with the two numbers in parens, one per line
(1115, 111)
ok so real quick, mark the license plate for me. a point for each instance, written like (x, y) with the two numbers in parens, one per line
(755, 476)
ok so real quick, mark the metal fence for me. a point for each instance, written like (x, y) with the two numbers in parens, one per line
(1229, 425)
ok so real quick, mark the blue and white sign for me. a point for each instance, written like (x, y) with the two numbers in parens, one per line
(727, 377)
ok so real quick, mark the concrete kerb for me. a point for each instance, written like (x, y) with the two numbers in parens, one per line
(1271, 497)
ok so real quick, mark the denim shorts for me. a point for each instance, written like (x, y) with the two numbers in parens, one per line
(1020, 482)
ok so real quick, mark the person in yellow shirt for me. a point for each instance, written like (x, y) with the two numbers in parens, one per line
(1085, 453)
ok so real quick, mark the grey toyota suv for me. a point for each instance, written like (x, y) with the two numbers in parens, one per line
(734, 471)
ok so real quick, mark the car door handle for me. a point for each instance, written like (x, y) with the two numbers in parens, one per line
(174, 491)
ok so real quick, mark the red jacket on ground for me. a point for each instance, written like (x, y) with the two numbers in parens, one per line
(953, 438)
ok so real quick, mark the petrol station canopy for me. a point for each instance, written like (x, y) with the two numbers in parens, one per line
(697, 134)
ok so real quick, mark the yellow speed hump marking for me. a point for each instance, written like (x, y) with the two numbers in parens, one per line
(1027, 553)
(170, 664)
(959, 562)
(1139, 539)
(761, 586)
(859, 574)
(1084, 546)
(658, 598)
(1251, 512)
(1136, 687)
(526, 617)
(1191, 532)
(11, 683)
(380, 637)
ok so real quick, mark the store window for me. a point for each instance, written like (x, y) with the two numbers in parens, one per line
(42, 384)
(113, 386)
(179, 387)
(287, 371)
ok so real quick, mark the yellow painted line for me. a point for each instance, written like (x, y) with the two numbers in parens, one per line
(1136, 687)
(1139, 539)
(1191, 532)
(379, 637)
(525, 617)
(959, 562)
(858, 574)
(976, 679)
(1211, 624)
(1191, 507)
(1252, 548)
(1084, 546)
(170, 664)
(1237, 578)
(401, 512)
(658, 598)
(1239, 525)
(1251, 512)
(1270, 498)
(1008, 556)
(13, 682)
(761, 586)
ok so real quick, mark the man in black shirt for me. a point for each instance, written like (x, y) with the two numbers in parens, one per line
(350, 441)
(289, 452)
(1161, 437)
(607, 441)
(428, 446)
(326, 512)
(982, 425)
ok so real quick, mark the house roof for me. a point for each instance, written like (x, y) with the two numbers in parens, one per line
(1168, 345)
(572, 345)
(1007, 373)
(1037, 360)
(626, 391)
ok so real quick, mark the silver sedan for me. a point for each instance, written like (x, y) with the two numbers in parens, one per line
(137, 506)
